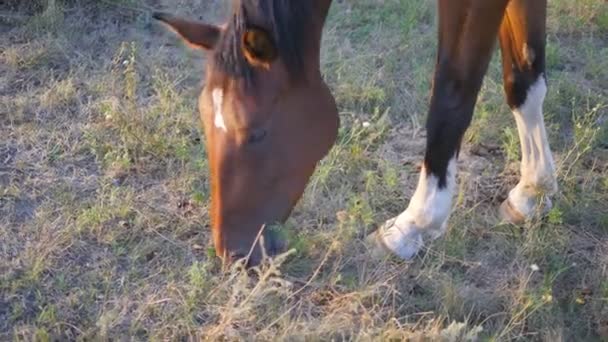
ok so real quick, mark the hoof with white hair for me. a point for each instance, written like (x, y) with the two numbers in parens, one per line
(510, 213)
(390, 240)
(427, 214)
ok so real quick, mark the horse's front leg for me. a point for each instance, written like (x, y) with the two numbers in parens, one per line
(467, 35)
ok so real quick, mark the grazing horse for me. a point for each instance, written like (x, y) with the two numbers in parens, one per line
(269, 117)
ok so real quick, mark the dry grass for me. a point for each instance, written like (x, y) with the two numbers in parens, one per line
(103, 192)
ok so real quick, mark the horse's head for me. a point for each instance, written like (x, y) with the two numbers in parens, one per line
(268, 116)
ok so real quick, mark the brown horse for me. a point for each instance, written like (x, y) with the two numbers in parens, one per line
(269, 117)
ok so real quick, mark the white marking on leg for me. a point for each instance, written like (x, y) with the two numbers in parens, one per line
(427, 213)
(537, 166)
(217, 95)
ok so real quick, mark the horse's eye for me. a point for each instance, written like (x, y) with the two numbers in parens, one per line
(257, 136)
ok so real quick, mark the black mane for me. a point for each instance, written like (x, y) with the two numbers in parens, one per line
(288, 21)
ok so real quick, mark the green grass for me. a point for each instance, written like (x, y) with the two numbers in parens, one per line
(104, 232)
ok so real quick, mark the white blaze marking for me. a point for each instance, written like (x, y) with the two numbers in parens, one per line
(427, 213)
(537, 166)
(218, 98)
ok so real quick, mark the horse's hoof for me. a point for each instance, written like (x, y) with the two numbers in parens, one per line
(406, 248)
(376, 246)
(511, 215)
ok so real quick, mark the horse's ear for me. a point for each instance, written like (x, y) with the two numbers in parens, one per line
(198, 35)
(258, 47)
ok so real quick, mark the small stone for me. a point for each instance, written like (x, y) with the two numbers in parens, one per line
(342, 216)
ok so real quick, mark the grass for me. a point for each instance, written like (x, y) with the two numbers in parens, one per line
(103, 192)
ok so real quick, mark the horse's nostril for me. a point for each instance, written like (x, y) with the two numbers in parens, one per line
(235, 256)
(257, 136)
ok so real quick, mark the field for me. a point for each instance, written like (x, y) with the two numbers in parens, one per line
(104, 230)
